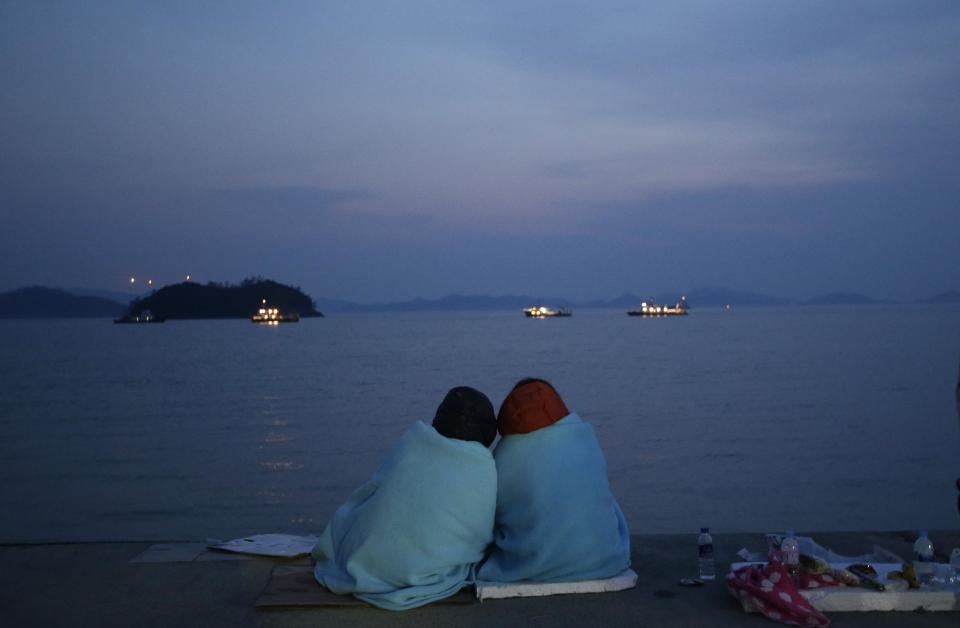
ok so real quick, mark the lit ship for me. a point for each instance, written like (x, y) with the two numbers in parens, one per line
(273, 316)
(540, 311)
(146, 316)
(652, 309)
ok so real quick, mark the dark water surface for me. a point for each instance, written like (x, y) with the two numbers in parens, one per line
(749, 420)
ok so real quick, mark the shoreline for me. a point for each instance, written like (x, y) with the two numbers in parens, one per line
(96, 584)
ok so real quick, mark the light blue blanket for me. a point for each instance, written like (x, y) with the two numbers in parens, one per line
(413, 533)
(557, 520)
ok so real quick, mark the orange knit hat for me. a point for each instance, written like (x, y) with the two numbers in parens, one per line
(532, 404)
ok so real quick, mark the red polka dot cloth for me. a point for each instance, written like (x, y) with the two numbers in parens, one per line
(769, 589)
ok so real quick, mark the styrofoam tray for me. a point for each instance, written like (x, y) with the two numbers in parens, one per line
(493, 590)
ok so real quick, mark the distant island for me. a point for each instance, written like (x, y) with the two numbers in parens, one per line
(704, 297)
(950, 296)
(220, 300)
(701, 297)
(846, 298)
(40, 302)
(223, 300)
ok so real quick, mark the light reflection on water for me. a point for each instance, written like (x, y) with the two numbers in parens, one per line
(812, 418)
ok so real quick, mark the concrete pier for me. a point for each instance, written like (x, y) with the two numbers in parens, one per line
(96, 585)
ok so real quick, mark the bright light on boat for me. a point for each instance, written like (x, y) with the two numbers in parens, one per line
(133, 280)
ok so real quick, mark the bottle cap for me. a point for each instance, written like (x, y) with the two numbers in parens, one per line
(704, 530)
(923, 533)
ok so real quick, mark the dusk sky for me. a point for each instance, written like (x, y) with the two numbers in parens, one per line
(377, 151)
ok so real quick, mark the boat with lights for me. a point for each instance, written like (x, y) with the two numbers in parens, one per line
(273, 316)
(144, 316)
(541, 311)
(650, 308)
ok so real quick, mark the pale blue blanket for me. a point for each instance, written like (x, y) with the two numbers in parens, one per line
(412, 534)
(557, 520)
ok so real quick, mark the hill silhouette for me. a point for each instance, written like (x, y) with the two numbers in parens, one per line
(40, 302)
(216, 300)
(699, 297)
(951, 296)
(846, 298)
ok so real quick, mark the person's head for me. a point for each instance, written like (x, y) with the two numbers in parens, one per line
(467, 414)
(532, 404)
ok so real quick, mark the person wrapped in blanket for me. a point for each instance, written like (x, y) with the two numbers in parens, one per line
(414, 532)
(557, 520)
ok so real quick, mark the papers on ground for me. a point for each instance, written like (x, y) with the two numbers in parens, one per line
(276, 545)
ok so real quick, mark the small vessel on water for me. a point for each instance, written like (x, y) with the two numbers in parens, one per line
(273, 316)
(650, 308)
(541, 311)
(145, 316)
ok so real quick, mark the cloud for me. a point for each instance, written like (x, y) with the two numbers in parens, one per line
(303, 199)
(385, 130)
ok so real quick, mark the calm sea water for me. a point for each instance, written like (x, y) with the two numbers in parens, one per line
(747, 420)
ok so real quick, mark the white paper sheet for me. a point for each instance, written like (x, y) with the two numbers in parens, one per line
(277, 545)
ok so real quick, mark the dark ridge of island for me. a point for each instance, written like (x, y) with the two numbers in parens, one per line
(716, 296)
(220, 300)
(40, 302)
(950, 296)
(623, 302)
(698, 297)
(846, 298)
(705, 296)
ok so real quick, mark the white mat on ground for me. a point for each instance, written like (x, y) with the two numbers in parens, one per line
(851, 599)
(278, 545)
(494, 590)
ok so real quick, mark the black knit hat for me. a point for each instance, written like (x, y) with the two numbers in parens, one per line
(466, 413)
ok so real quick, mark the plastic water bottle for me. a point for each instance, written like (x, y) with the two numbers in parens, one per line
(923, 558)
(955, 567)
(790, 550)
(705, 552)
